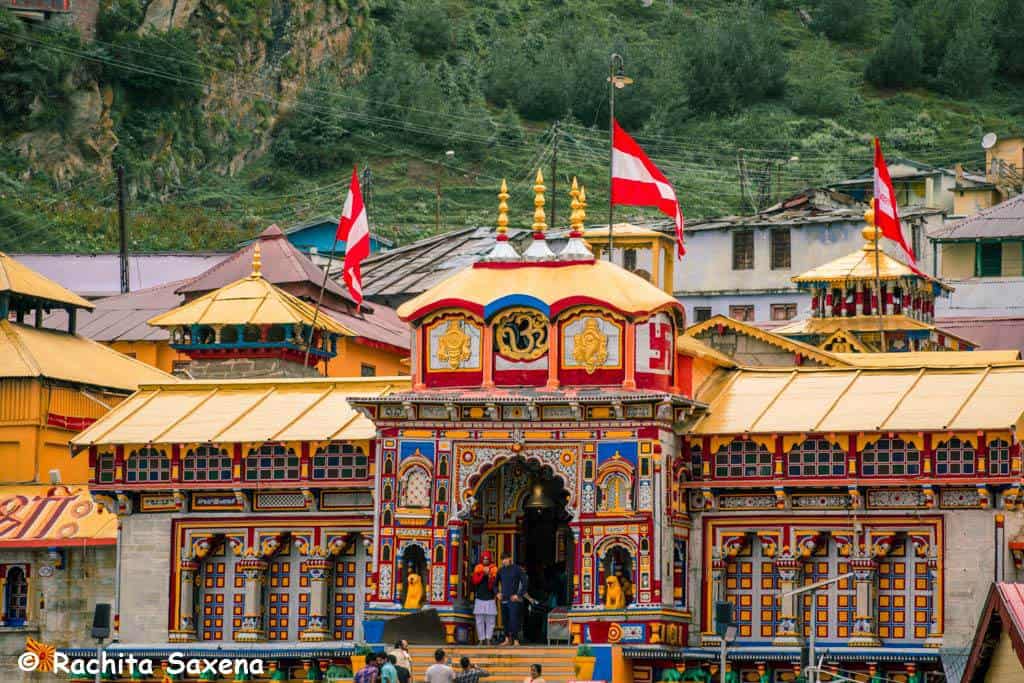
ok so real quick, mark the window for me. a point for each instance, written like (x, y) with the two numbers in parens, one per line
(367, 370)
(696, 462)
(890, 457)
(743, 250)
(915, 238)
(743, 459)
(742, 313)
(221, 597)
(998, 457)
(206, 463)
(989, 262)
(147, 464)
(105, 468)
(905, 590)
(271, 462)
(340, 461)
(16, 597)
(781, 259)
(817, 458)
(954, 457)
(783, 311)
(629, 259)
(701, 313)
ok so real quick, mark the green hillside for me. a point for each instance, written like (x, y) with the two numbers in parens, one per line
(232, 114)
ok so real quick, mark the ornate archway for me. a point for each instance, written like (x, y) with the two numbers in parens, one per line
(474, 462)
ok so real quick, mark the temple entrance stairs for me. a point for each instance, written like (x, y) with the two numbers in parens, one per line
(505, 664)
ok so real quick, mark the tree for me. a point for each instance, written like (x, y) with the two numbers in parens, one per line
(898, 61)
(735, 60)
(818, 85)
(1008, 37)
(970, 60)
(839, 19)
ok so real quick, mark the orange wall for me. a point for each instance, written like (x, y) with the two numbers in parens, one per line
(29, 447)
(351, 356)
(159, 354)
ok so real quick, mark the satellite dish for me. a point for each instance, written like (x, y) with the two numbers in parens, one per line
(988, 141)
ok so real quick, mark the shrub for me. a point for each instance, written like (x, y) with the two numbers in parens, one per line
(157, 68)
(898, 61)
(35, 67)
(839, 19)
(970, 60)
(818, 85)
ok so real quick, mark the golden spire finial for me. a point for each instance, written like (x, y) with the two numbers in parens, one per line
(576, 216)
(870, 231)
(583, 203)
(503, 211)
(539, 220)
(256, 261)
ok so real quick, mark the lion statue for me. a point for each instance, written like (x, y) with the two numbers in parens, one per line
(614, 596)
(413, 592)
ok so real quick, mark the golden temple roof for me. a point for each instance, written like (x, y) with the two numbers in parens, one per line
(626, 232)
(249, 301)
(826, 400)
(556, 286)
(64, 517)
(855, 323)
(32, 352)
(860, 265)
(930, 359)
(18, 278)
(773, 338)
(698, 349)
(233, 411)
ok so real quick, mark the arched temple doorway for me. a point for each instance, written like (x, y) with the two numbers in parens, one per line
(520, 509)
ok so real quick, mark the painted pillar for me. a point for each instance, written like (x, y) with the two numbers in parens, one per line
(554, 356)
(186, 627)
(629, 382)
(717, 585)
(935, 574)
(865, 612)
(789, 568)
(487, 356)
(254, 573)
(317, 570)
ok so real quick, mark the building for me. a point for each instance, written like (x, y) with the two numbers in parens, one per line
(997, 653)
(375, 341)
(56, 545)
(556, 412)
(316, 238)
(917, 185)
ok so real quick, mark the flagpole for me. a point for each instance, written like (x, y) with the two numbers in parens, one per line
(611, 150)
(320, 299)
(878, 276)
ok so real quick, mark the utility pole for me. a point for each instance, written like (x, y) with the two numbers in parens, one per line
(554, 179)
(812, 672)
(368, 190)
(122, 228)
(450, 154)
(617, 80)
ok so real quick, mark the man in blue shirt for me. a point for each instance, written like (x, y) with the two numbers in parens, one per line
(511, 591)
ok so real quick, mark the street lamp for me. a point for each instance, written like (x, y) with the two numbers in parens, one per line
(449, 155)
(813, 589)
(618, 80)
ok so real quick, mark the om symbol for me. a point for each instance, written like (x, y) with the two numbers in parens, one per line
(521, 335)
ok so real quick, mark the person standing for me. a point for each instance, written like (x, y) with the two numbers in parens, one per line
(388, 672)
(439, 671)
(403, 660)
(534, 676)
(485, 610)
(511, 591)
(370, 673)
(469, 672)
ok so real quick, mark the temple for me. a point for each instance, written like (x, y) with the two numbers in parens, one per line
(559, 411)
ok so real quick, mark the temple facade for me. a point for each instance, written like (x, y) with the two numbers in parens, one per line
(557, 412)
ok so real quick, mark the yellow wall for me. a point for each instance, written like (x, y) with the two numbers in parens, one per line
(1010, 150)
(29, 447)
(1005, 666)
(351, 356)
(159, 354)
(958, 260)
(970, 202)
(1013, 259)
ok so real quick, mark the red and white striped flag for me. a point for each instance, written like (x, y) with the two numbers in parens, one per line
(636, 181)
(354, 230)
(887, 217)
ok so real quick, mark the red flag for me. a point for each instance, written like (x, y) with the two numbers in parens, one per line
(636, 181)
(887, 217)
(354, 230)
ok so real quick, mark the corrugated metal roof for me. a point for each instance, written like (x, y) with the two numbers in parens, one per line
(99, 275)
(124, 317)
(989, 333)
(30, 352)
(17, 278)
(860, 265)
(233, 411)
(1005, 219)
(867, 400)
(930, 359)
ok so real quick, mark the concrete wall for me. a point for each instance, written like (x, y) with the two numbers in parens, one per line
(762, 304)
(957, 260)
(248, 368)
(145, 577)
(60, 606)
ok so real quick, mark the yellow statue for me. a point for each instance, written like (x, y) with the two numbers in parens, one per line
(590, 347)
(413, 592)
(627, 589)
(614, 596)
(454, 345)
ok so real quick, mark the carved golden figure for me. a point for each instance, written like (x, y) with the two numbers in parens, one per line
(454, 345)
(413, 592)
(614, 595)
(590, 347)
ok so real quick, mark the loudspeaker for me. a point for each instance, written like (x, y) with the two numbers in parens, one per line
(101, 621)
